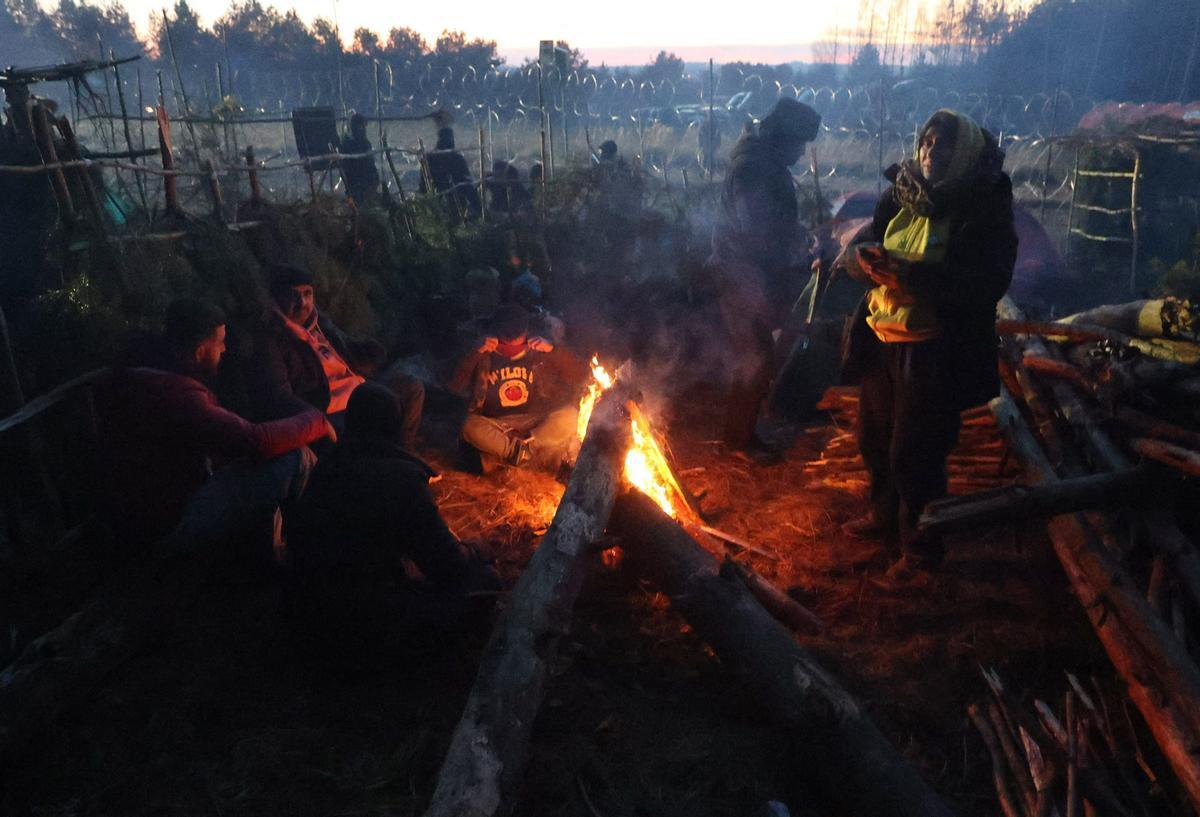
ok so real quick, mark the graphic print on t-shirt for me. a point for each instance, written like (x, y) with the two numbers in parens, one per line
(508, 389)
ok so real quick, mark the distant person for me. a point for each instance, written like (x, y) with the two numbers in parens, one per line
(451, 176)
(523, 394)
(923, 343)
(304, 356)
(758, 249)
(361, 175)
(608, 154)
(367, 510)
(172, 446)
(507, 194)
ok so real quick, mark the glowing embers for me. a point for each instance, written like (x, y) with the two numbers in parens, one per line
(646, 467)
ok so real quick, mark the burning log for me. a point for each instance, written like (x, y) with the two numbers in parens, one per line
(483, 765)
(846, 746)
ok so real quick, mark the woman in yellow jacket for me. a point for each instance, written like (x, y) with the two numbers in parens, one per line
(923, 345)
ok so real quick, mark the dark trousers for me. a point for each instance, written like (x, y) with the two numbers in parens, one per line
(908, 423)
(747, 320)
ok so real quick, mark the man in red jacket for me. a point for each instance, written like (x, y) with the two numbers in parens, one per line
(180, 460)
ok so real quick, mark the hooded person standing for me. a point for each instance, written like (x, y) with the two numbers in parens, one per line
(758, 247)
(923, 344)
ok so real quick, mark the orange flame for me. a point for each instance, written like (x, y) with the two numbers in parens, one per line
(646, 466)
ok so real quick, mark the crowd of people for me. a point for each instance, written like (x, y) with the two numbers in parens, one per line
(320, 465)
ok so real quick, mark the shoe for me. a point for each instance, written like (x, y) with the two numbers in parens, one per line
(869, 528)
(906, 573)
(863, 554)
(522, 451)
(758, 452)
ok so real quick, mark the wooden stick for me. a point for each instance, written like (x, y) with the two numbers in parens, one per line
(1149, 426)
(783, 607)
(214, 191)
(256, 199)
(1009, 803)
(1184, 460)
(1018, 768)
(45, 143)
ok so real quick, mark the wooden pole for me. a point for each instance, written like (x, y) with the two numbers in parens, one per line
(44, 138)
(483, 202)
(214, 191)
(252, 174)
(138, 181)
(187, 108)
(167, 154)
(1134, 222)
(71, 144)
(710, 147)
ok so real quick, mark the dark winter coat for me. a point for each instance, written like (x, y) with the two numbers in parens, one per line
(965, 287)
(448, 169)
(758, 220)
(361, 175)
(285, 371)
(368, 507)
(163, 433)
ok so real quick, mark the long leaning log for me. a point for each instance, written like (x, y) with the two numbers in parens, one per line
(487, 751)
(845, 746)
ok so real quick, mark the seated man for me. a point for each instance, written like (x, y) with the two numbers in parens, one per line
(524, 399)
(164, 430)
(305, 356)
(367, 509)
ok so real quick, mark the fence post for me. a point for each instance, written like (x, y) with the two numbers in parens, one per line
(214, 190)
(170, 183)
(45, 142)
(1134, 224)
(482, 178)
(137, 177)
(255, 188)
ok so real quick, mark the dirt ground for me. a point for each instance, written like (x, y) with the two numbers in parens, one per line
(229, 717)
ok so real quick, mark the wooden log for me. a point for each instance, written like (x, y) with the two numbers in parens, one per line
(1004, 505)
(1184, 460)
(1177, 351)
(846, 747)
(1059, 369)
(482, 769)
(1164, 713)
(1149, 426)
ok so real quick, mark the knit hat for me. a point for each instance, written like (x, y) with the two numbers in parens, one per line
(791, 119)
(373, 412)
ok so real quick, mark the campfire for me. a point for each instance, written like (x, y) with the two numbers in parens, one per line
(646, 466)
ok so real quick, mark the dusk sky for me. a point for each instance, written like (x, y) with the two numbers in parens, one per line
(613, 31)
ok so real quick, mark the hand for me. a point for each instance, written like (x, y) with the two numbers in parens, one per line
(540, 344)
(330, 433)
(488, 344)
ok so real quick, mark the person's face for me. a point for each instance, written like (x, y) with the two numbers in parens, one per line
(935, 152)
(513, 347)
(208, 353)
(297, 303)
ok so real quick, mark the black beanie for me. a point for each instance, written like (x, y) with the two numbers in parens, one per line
(374, 412)
(791, 119)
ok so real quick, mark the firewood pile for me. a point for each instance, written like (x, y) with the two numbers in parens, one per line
(1098, 411)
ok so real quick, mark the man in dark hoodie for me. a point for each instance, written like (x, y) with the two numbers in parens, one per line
(923, 343)
(367, 509)
(360, 174)
(758, 247)
(448, 172)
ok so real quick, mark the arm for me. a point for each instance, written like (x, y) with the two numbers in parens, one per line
(463, 379)
(433, 547)
(220, 431)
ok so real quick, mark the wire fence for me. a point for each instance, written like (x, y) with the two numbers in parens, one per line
(523, 116)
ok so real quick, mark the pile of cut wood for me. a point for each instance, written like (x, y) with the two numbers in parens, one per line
(1099, 410)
